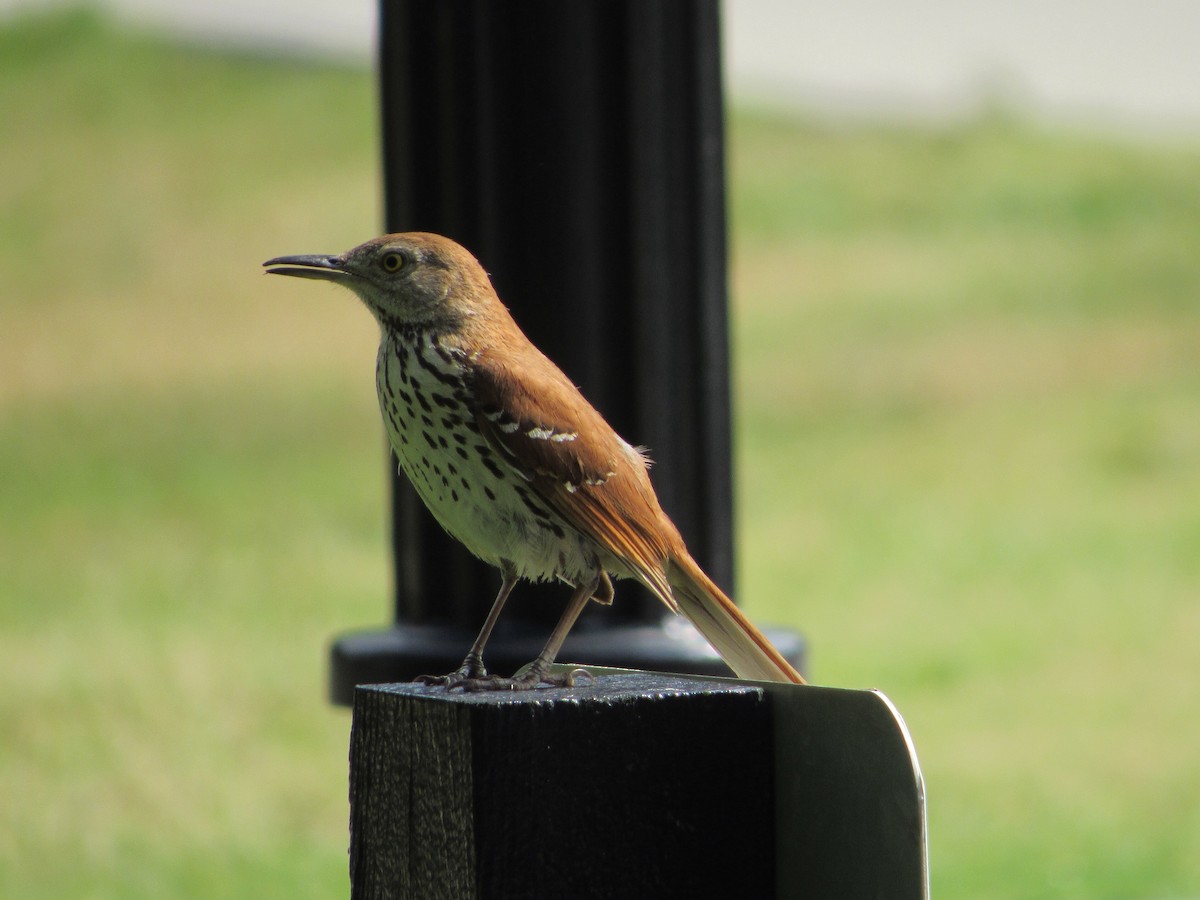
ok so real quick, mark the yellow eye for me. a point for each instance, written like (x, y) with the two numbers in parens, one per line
(392, 262)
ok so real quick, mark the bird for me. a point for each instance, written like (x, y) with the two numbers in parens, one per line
(513, 461)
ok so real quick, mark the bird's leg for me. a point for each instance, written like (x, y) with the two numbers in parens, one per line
(538, 671)
(472, 667)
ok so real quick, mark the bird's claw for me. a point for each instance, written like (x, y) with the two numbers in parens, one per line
(438, 680)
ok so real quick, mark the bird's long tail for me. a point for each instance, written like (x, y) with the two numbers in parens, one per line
(733, 636)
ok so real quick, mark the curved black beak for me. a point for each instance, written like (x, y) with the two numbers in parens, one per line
(322, 268)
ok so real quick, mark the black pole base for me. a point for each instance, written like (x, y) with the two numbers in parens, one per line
(403, 652)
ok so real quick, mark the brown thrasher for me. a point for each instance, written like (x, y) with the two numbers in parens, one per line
(512, 460)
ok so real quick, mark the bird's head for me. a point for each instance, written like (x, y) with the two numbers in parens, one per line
(416, 279)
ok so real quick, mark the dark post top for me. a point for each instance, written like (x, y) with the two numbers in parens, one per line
(634, 785)
(577, 150)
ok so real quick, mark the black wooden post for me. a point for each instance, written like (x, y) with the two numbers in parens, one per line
(577, 149)
(634, 785)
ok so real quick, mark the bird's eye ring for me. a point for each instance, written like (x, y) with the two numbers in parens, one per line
(392, 262)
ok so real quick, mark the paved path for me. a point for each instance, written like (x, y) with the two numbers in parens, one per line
(1129, 64)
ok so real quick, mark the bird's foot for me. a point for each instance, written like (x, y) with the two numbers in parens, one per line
(472, 669)
(525, 680)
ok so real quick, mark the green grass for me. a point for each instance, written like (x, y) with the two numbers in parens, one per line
(970, 468)
(968, 369)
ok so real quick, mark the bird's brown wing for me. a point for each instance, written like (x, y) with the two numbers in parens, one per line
(534, 418)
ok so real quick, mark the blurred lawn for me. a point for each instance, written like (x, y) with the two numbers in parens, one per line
(968, 367)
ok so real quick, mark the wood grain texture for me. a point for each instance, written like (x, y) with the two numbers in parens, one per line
(411, 833)
(632, 786)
